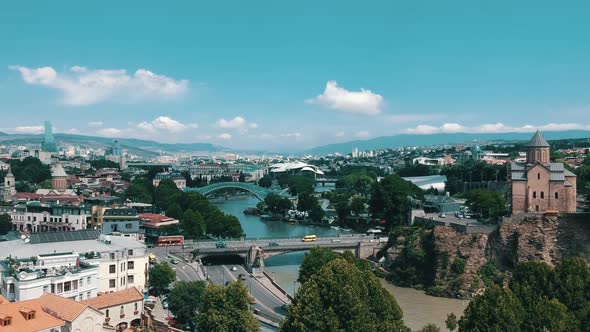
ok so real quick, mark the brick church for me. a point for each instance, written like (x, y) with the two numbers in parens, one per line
(538, 185)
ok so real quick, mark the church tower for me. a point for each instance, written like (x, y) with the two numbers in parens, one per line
(9, 185)
(538, 150)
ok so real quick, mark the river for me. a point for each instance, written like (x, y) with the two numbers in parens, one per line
(419, 309)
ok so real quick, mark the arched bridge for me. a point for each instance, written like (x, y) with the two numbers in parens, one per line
(255, 190)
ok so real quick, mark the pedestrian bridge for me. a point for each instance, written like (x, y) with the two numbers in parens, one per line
(256, 190)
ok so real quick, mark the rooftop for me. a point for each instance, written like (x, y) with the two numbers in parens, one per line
(18, 321)
(62, 307)
(538, 141)
(115, 298)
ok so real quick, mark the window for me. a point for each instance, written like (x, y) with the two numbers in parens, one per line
(123, 266)
(538, 176)
(107, 313)
(67, 286)
(534, 194)
(6, 321)
(60, 287)
(130, 252)
(112, 268)
(45, 289)
(81, 282)
(130, 279)
(122, 310)
(130, 265)
(88, 280)
(556, 195)
(135, 306)
(537, 208)
(74, 284)
(112, 283)
(129, 225)
(112, 255)
(122, 281)
(87, 295)
(542, 195)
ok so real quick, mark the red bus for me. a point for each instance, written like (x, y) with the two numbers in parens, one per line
(170, 240)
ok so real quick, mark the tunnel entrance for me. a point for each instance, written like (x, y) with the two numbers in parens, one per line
(222, 260)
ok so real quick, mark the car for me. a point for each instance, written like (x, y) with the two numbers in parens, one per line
(273, 244)
(220, 244)
(234, 268)
(442, 215)
(174, 261)
(251, 300)
(256, 311)
(151, 245)
(336, 240)
(242, 277)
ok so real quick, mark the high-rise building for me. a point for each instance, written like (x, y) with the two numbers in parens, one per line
(48, 144)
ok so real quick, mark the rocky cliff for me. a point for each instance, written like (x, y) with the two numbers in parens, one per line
(453, 264)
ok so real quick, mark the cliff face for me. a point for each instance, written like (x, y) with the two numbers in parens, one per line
(540, 238)
(450, 263)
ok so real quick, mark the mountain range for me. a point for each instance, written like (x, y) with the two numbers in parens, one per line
(438, 139)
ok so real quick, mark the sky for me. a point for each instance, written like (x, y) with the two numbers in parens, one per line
(290, 75)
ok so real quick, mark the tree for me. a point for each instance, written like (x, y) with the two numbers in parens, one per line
(341, 297)
(226, 308)
(306, 201)
(495, 310)
(357, 204)
(184, 299)
(265, 181)
(316, 214)
(277, 204)
(318, 257)
(193, 225)
(5, 223)
(451, 322)
(161, 276)
(491, 204)
(174, 211)
(390, 199)
(430, 328)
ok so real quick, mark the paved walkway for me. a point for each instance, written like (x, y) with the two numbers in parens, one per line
(265, 281)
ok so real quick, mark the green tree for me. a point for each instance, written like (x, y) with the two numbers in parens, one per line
(5, 223)
(451, 322)
(491, 204)
(277, 204)
(316, 214)
(193, 225)
(317, 257)
(390, 199)
(306, 201)
(185, 299)
(341, 297)
(430, 328)
(496, 310)
(161, 276)
(226, 308)
(174, 211)
(265, 181)
(572, 283)
(357, 204)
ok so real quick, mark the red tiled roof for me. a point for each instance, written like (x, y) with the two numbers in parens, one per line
(64, 308)
(114, 299)
(15, 311)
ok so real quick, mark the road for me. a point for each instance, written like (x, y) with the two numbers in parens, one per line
(267, 303)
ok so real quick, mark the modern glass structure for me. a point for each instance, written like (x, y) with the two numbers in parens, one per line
(48, 144)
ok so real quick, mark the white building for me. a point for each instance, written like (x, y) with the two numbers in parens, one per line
(121, 309)
(121, 262)
(58, 273)
(36, 217)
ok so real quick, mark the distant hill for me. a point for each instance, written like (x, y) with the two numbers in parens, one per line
(437, 139)
(146, 148)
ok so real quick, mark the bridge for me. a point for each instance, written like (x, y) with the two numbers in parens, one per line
(362, 245)
(256, 190)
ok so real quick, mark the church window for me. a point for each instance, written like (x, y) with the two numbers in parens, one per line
(556, 195)
(534, 194)
(538, 176)
(542, 195)
(537, 208)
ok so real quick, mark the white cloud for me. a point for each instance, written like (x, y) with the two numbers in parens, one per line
(83, 86)
(225, 136)
(359, 102)
(28, 129)
(95, 124)
(166, 124)
(110, 132)
(493, 128)
(339, 134)
(362, 134)
(294, 135)
(236, 123)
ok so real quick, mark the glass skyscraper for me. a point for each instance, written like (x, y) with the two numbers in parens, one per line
(48, 144)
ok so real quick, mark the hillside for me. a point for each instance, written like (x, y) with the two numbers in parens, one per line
(437, 139)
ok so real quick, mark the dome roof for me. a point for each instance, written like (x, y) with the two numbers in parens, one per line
(58, 171)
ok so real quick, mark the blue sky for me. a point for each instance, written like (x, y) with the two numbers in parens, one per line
(291, 75)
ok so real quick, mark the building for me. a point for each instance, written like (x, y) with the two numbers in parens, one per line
(27, 316)
(153, 225)
(48, 144)
(538, 185)
(121, 310)
(58, 273)
(34, 216)
(9, 188)
(59, 178)
(115, 221)
(437, 182)
(77, 316)
(176, 177)
(122, 262)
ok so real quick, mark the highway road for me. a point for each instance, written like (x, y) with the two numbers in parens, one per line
(267, 303)
(291, 242)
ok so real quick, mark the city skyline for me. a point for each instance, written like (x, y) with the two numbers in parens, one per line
(293, 76)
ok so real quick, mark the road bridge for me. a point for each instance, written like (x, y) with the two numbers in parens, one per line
(256, 190)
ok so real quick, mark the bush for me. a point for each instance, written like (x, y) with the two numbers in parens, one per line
(458, 266)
